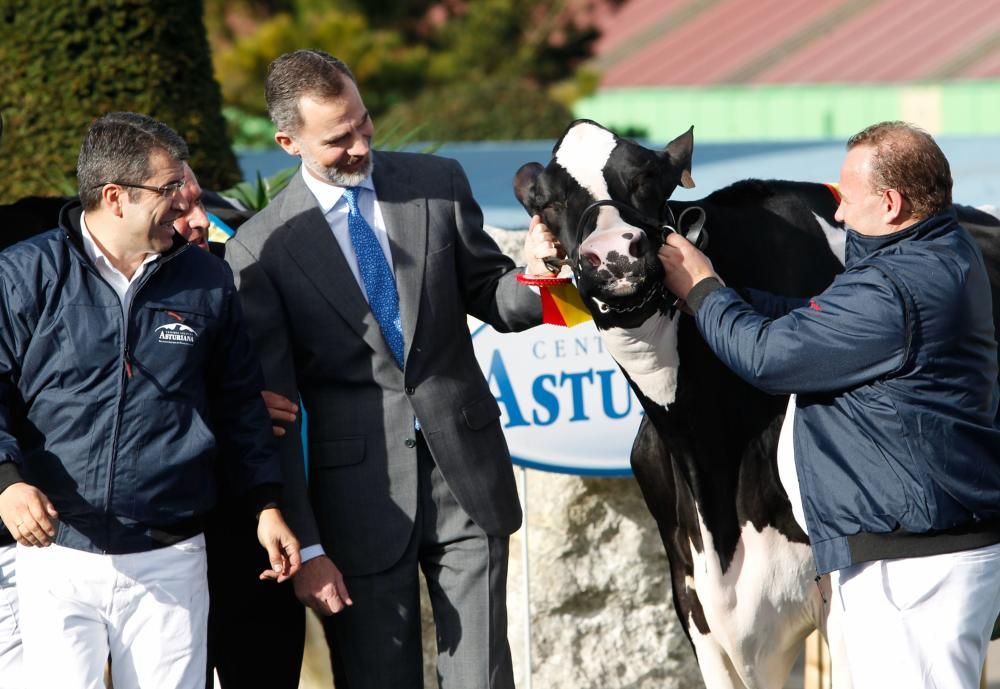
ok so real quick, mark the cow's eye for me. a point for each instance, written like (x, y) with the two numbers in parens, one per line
(551, 212)
(640, 183)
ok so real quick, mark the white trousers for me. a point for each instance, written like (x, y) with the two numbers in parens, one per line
(10, 633)
(919, 622)
(148, 611)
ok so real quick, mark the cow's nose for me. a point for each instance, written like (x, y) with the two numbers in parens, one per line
(599, 246)
(634, 243)
(592, 258)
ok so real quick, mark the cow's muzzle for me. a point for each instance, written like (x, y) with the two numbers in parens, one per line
(694, 229)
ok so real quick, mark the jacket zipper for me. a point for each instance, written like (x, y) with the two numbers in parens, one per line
(126, 374)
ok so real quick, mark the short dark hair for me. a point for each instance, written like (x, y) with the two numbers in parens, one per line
(117, 148)
(908, 160)
(301, 73)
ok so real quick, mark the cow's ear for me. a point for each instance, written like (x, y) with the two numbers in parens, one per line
(679, 152)
(524, 184)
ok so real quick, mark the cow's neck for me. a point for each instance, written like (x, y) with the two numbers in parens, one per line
(648, 353)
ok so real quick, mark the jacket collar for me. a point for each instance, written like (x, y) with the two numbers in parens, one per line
(860, 246)
(69, 222)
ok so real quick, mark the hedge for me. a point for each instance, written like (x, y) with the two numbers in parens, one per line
(62, 64)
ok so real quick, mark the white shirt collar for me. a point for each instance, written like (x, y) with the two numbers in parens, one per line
(327, 195)
(95, 253)
(119, 283)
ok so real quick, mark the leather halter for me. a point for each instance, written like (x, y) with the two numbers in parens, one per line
(696, 234)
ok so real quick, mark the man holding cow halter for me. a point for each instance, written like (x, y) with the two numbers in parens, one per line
(896, 443)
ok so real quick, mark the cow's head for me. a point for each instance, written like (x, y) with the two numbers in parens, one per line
(612, 248)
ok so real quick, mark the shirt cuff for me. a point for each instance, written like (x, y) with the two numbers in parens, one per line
(311, 551)
(700, 291)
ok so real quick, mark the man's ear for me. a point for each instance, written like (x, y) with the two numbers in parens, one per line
(113, 198)
(286, 142)
(893, 207)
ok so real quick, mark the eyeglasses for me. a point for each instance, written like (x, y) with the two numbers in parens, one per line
(167, 191)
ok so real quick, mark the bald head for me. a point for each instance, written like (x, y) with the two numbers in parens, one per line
(193, 224)
(907, 159)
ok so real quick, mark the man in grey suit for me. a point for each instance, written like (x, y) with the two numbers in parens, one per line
(356, 282)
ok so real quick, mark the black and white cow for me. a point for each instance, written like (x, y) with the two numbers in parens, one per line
(705, 457)
(710, 455)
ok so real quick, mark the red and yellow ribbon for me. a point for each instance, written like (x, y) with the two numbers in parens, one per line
(561, 302)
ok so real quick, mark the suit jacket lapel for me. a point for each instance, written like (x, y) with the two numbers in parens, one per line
(312, 246)
(404, 211)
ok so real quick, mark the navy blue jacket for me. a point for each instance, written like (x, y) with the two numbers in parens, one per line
(120, 420)
(895, 366)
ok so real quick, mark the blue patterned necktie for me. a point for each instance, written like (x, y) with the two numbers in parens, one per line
(380, 284)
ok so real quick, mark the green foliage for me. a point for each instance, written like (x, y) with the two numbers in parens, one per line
(246, 131)
(63, 64)
(387, 69)
(482, 69)
(395, 13)
(257, 194)
(489, 108)
(503, 69)
(538, 41)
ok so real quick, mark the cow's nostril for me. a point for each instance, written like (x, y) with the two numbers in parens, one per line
(592, 258)
(635, 245)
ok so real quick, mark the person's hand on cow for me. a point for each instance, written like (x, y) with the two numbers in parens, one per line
(539, 244)
(320, 585)
(281, 409)
(684, 265)
(28, 514)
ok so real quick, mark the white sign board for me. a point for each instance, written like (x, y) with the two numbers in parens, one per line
(566, 406)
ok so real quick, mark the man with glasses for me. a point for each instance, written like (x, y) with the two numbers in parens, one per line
(128, 391)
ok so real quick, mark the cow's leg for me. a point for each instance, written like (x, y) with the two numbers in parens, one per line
(772, 668)
(674, 513)
(716, 668)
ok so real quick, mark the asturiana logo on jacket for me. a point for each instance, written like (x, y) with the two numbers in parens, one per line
(176, 333)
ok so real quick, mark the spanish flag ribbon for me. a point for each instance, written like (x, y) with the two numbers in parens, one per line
(561, 302)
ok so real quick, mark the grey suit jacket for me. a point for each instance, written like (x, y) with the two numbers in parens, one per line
(319, 340)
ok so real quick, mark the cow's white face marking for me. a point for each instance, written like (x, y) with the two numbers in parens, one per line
(755, 608)
(836, 237)
(648, 353)
(584, 153)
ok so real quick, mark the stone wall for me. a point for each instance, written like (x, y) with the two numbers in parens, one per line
(602, 614)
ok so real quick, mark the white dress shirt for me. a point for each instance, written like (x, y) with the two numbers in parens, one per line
(124, 287)
(331, 202)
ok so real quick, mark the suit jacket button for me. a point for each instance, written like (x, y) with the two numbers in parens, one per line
(410, 442)
(410, 391)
